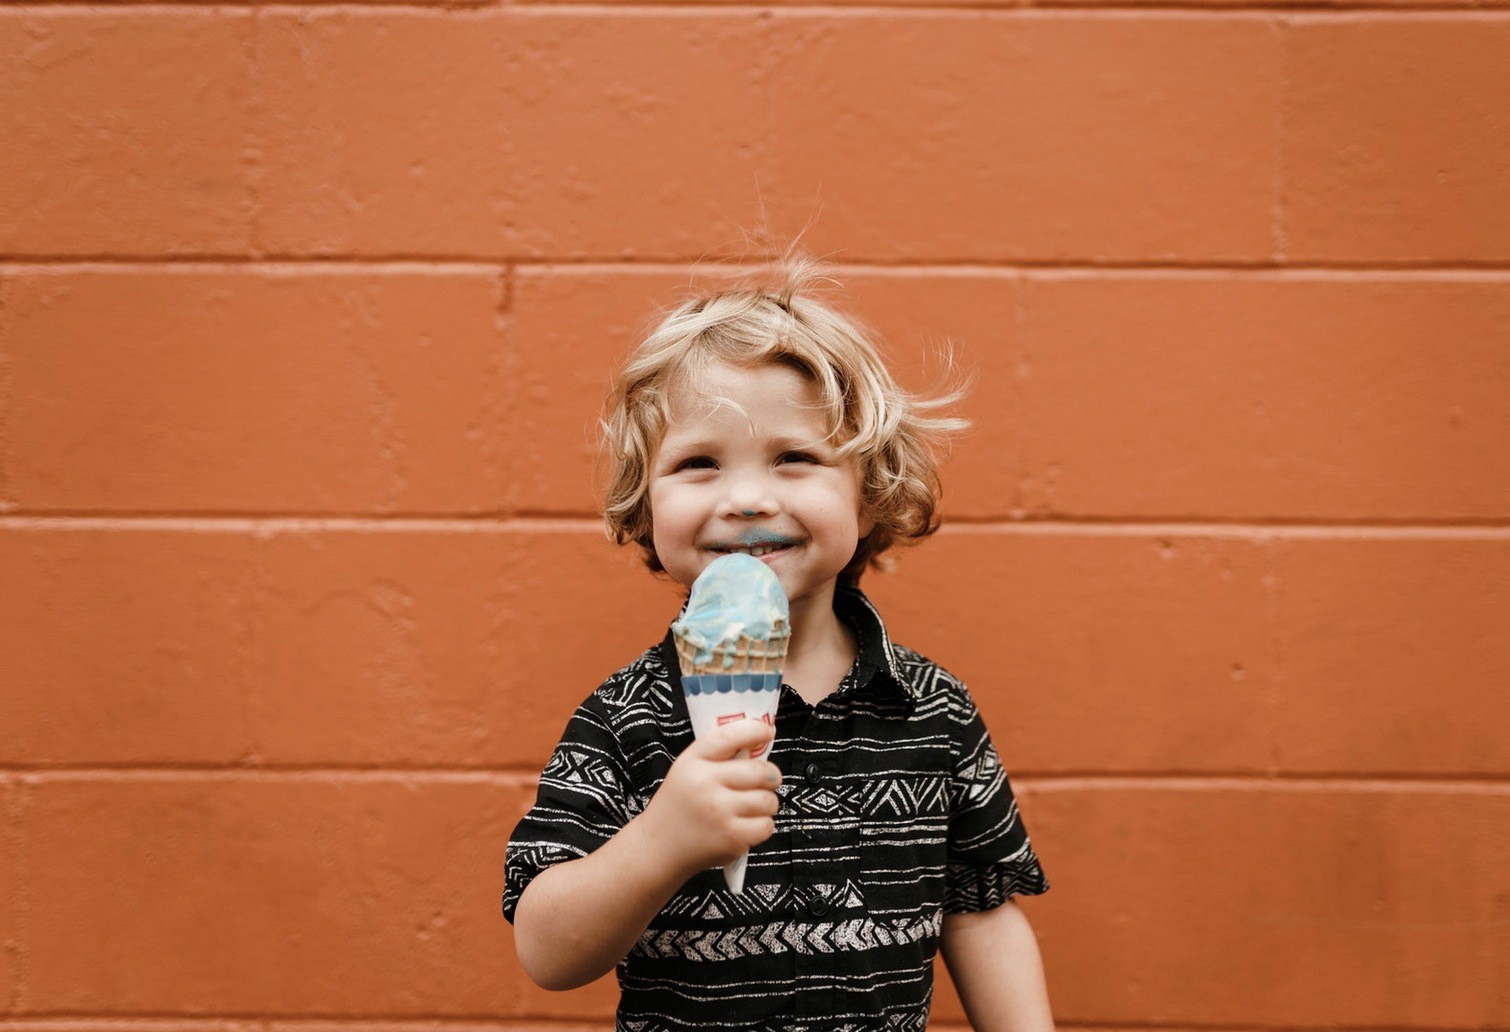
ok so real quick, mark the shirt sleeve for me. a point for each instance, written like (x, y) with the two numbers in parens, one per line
(581, 803)
(990, 857)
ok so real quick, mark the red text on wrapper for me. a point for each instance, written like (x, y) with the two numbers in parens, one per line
(729, 718)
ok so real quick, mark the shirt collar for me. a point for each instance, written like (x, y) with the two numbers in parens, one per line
(875, 665)
(876, 662)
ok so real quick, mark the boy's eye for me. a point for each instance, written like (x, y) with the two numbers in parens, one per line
(797, 456)
(695, 462)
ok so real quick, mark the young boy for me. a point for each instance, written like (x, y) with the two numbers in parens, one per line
(880, 825)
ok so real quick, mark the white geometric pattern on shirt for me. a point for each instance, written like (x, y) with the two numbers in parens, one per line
(859, 933)
(757, 902)
(909, 1022)
(904, 796)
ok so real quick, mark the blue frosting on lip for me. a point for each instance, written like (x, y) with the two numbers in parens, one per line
(757, 536)
(736, 596)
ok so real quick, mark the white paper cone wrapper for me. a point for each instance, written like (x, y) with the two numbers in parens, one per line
(716, 699)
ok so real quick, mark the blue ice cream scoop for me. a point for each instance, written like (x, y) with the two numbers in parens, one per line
(737, 600)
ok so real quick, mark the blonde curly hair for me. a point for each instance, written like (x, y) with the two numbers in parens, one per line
(889, 432)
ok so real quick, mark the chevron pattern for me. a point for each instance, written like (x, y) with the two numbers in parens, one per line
(845, 935)
(908, 1022)
(904, 797)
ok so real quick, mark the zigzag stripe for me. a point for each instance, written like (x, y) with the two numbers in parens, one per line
(785, 937)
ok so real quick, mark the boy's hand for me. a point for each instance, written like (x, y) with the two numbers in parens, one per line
(715, 802)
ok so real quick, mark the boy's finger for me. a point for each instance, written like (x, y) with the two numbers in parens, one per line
(755, 830)
(731, 739)
(755, 804)
(747, 774)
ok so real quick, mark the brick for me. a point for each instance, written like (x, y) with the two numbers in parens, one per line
(1091, 651)
(443, 648)
(12, 912)
(232, 390)
(1146, 651)
(1253, 904)
(1260, 397)
(1373, 171)
(994, 136)
(127, 132)
(125, 646)
(1151, 395)
(276, 896)
(1392, 655)
(1170, 903)
(571, 330)
(440, 647)
(510, 132)
(1172, 651)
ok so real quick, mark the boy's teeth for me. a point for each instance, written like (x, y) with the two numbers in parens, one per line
(754, 550)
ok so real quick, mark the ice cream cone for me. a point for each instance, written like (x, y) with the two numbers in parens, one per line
(731, 643)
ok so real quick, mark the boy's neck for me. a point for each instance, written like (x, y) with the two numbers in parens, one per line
(822, 649)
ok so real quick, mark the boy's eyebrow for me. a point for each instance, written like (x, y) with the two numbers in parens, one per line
(802, 443)
(698, 445)
(685, 447)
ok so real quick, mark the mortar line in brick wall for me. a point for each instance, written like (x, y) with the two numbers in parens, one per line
(1013, 267)
(1235, 528)
(283, 523)
(411, 264)
(1204, 8)
(1138, 527)
(1026, 780)
(902, 8)
(7, 401)
(1276, 6)
(1294, 783)
(90, 1022)
(508, 778)
(17, 801)
(105, 1021)
(263, 265)
(262, 1023)
(1280, 229)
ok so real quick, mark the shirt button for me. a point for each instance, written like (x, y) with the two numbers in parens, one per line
(817, 906)
(813, 773)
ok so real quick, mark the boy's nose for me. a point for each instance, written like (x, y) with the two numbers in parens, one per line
(749, 495)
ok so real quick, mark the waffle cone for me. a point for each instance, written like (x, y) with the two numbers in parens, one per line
(745, 656)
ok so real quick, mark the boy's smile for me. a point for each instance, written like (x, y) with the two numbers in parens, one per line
(744, 467)
(756, 541)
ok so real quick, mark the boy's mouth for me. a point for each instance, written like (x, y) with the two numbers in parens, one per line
(753, 550)
(756, 542)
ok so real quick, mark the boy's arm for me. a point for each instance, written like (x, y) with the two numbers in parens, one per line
(993, 959)
(578, 919)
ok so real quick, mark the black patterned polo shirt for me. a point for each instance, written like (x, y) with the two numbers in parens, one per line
(895, 810)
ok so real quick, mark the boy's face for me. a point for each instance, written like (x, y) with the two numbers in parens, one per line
(725, 480)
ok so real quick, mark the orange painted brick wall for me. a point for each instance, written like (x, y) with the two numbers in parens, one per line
(305, 312)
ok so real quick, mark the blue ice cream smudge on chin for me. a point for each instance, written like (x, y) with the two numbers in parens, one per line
(736, 595)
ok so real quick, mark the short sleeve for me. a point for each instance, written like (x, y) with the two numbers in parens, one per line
(581, 803)
(990, 857)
